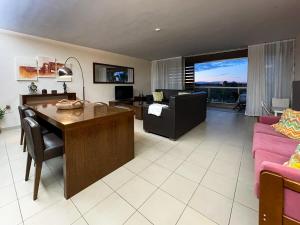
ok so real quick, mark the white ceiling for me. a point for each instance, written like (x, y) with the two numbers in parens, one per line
(127, 26)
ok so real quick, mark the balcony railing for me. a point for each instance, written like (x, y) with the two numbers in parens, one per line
(223, 95)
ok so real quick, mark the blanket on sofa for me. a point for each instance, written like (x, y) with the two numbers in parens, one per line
(156, 109)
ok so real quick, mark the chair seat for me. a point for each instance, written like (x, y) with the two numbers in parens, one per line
(53, 146)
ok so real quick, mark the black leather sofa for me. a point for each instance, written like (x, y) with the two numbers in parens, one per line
(184, 113)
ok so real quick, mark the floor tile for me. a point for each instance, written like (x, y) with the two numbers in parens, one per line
(155, 209)
(44, 200)
(219, 183)
(62, 213)
(47, 183)
(137, 219)
(212, 205)
(246, 196)
(242, 213)
(137, 164)
(151, 154)
(80, 221)
(164, 145)
(179, 187)
(6, 176)
(191, 171)
(155, 174)
(202, 159)
(7, 195)
(10, 214)
(113, 211)
(192, 217)
(117, 178)
(246, 175)
(89, 197)
(168, 161)
(136, 191)
(225, 168)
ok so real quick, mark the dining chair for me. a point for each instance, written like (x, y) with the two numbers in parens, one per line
(32, 114)
(40, 148)
(22, 109)
(265, 108)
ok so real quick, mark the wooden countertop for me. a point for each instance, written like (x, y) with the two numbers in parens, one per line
(65, 118)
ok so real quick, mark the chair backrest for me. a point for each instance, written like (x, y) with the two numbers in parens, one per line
(242, 98)
(22, 109)
(34, 139)
(265, 108)
(30, 113)
(280, 102)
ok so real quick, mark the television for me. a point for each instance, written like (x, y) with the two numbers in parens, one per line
(123, 92)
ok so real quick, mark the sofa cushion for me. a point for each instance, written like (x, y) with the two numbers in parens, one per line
(266, 129)
(279, 145)
(289, 124)
(158, 96)
(294, 161)
(262, 156)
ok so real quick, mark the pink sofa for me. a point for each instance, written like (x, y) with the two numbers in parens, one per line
(277, 186)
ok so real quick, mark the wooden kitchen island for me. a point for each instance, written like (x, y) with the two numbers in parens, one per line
(97, 140)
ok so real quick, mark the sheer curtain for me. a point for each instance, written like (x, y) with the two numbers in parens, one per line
(167, 74)
(270, 74)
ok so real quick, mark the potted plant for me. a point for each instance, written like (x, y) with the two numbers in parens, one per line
(2, 113)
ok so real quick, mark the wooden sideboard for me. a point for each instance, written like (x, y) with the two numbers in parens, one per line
(45, 98)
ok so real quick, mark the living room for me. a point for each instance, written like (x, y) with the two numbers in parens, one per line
(133, 114)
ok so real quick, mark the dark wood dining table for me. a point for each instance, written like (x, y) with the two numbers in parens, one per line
(98, 139)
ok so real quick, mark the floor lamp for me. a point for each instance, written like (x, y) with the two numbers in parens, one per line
(67, 72)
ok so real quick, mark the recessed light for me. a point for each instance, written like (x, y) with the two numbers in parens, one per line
(157, 29)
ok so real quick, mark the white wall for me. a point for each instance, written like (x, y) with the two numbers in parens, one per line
(297, 58)
(15, 44)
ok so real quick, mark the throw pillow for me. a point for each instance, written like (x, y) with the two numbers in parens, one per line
(289, 124)
(158, 96)
(294, 161)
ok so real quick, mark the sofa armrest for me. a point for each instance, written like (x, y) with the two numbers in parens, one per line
(279, 195)
(284, 171)
(268, 119)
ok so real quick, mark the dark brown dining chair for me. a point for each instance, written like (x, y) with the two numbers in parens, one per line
(40, 148)
(22, 109)
(32, 114)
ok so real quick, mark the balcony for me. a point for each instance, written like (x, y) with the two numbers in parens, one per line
(222, 95)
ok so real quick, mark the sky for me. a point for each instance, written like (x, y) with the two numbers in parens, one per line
(223, 70)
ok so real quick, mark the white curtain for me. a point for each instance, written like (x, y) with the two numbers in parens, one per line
(270, 74)
(167, 74)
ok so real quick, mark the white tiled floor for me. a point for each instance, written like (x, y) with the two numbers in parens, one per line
(204, 178)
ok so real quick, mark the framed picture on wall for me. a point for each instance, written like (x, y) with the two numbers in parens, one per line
(62, 79)
(26, 68)
(46, 67)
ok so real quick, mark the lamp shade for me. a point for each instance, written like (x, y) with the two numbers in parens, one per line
(64, 71)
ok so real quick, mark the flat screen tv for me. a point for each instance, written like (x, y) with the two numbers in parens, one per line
(123, 92)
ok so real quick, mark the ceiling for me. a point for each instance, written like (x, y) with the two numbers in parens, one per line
(127, 26)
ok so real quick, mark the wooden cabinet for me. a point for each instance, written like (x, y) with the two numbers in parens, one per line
(45, 98)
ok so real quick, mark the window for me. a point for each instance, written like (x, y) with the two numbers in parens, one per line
(226, 73)
(222, 75)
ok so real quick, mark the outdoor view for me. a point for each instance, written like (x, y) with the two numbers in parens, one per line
(224, 80)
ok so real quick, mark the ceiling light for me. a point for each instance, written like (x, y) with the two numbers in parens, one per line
(157, 29)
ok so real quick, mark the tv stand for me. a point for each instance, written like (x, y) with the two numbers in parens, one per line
(130, 103)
